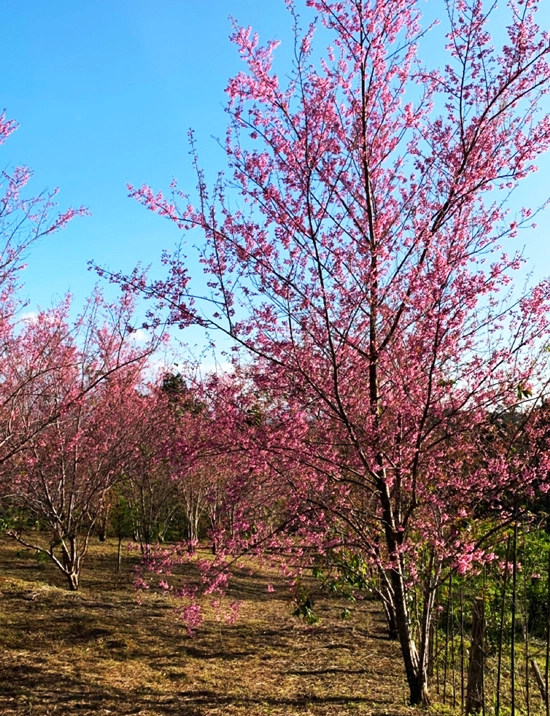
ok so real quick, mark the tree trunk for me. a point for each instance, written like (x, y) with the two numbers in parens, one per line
(119, 555)
(393, 634)
(71, 562)
(384, 591)
(73, 578)
(416, 669)
(474, 695)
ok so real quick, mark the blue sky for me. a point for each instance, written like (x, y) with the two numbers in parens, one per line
(104, 93)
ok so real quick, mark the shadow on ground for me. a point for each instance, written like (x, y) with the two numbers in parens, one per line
(98, 651)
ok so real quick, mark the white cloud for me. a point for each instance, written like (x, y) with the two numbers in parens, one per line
(221, 367)
(140, 336)
(29, 317)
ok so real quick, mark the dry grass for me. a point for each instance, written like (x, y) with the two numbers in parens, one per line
(98, 651)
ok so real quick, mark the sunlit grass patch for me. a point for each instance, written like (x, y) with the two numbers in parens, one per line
(99, 651)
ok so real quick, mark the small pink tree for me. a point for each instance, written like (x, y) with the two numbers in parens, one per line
(160, 481)
(74, 422)
(64, 387)
(354, 257)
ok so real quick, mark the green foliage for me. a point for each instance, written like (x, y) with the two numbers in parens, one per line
(41, 557)
(255, 416)
(523, 392)
(177, 390)
(304, 604)
(122, 515)
(17, 518)
(439, 709)
(6, 522)
(494, 581)
(345, 572)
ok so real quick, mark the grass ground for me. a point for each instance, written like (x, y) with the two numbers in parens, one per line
(98, 651)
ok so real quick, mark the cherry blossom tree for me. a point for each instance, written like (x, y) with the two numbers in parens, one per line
(355, 258)
(64, 386)
(171, 482)
(148, 486)
(74, 423)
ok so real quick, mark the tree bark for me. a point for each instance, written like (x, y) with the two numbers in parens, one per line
(416, 669)
(389, 611)
(474, 694)
(540, 680)
(119, 555)
(74, 580)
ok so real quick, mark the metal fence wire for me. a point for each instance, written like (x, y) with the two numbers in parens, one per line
(490, 651)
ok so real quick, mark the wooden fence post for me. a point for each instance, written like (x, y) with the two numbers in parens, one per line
(474, 692)
(540, 680)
